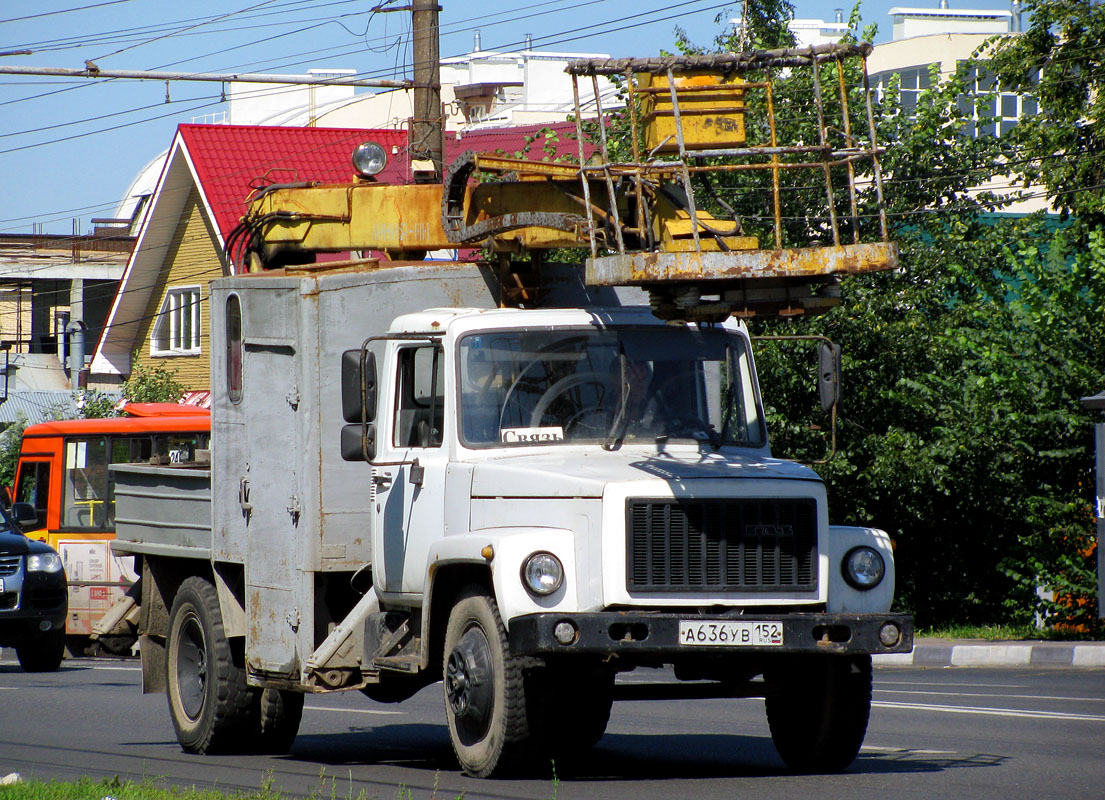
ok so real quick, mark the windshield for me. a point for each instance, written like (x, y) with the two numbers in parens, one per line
(617, 385)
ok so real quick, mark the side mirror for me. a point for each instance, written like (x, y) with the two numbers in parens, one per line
(828, 374)
(358, 386)
(358, 442)
(25, 514)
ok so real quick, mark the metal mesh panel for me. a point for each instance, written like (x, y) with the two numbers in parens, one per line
(763, 544)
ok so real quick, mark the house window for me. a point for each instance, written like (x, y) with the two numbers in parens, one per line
(177, 329)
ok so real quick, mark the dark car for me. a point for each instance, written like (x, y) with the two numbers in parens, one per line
(33, 594)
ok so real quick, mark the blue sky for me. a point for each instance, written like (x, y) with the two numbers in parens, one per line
(70, 147)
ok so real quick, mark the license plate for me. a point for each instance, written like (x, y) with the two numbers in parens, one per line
(730, 634)
(1, 585)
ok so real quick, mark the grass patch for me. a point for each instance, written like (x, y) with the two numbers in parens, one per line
(117, 789)
(994, 633)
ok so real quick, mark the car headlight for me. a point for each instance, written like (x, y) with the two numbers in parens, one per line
(863, 568)
(542, 573)
(44, 562)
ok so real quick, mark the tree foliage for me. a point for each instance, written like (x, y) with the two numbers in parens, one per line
(960, 431)
(1059, 62)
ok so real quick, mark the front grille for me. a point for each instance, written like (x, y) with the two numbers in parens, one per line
(746, 545)
(9, 565)
(45, 599)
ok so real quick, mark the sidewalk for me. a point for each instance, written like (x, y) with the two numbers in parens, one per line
(979, 653)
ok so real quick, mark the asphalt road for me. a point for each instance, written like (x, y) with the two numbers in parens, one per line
(1004, 733)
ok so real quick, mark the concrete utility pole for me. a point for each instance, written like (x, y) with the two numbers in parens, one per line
(427, 125)
(1097, 403)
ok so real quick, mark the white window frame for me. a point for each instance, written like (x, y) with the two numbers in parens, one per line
(170, 335)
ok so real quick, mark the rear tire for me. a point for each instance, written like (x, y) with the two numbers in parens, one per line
(42, 653)
(817, 709)
(211, 704)
(485, 702)
(278, 716)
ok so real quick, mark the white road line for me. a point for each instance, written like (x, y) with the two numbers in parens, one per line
(353, 710)
(1003, 696)
(961, 685)
(992, 712)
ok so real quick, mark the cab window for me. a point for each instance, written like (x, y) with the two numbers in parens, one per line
(418, 409)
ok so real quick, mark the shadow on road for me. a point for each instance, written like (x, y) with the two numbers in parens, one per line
(617, 757)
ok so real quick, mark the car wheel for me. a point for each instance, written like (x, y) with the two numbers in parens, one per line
(42, 653)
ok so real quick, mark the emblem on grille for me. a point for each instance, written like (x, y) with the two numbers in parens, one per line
(768, 530)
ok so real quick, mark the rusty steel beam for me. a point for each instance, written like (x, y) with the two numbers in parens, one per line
(733, 62)
(637, 269)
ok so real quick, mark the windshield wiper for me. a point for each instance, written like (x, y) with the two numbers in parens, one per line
(617, 428)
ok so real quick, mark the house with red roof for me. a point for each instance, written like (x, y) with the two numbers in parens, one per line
(159, 316)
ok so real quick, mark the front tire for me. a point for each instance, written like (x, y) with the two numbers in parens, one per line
(817, 709)
(209, 700)
(485, 704)
(42, 653)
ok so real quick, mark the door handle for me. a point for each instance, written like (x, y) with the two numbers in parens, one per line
(382, 480)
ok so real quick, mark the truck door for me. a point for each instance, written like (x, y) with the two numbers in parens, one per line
(409, 497)
(275, 610)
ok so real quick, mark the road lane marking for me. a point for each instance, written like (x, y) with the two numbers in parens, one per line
(961, 685)
(1003, 696)
(351, 711)
(993, 712)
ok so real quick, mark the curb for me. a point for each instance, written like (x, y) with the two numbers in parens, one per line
(960, 653)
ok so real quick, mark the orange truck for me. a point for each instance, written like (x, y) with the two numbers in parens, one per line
(63, 472)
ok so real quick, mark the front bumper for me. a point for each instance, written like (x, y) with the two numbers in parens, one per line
(31, 604)
(644, 634)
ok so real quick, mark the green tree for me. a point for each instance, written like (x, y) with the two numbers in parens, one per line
(1058, 63)
(960, 429)
(10, 440)
(155, 384)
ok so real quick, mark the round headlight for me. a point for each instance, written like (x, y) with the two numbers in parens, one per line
(369, 159)
(863, 568)
(44, 562)
(542, 573)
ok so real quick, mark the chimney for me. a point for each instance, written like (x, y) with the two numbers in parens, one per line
(944, 4)
(476, 42)
(529, 41)
(839, 16)
(1015, 21)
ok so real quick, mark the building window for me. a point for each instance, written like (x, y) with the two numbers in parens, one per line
(177, 329)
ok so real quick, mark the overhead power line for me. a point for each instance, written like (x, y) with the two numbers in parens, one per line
(92, 71)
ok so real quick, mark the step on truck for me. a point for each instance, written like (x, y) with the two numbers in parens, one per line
(517, 478)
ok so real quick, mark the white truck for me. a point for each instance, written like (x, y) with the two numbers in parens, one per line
(409, 485)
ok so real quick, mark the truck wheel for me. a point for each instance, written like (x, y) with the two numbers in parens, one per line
(485, 703)
(209, 700)
(278, 719)
(42, 653)
(817, 709)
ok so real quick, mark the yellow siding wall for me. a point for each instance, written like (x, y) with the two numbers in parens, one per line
(191, 260)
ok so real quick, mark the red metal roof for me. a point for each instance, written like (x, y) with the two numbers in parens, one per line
(231, 160)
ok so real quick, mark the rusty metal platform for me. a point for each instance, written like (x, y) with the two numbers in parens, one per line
(643, 269)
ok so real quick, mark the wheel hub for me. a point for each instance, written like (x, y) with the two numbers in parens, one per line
(469, 682)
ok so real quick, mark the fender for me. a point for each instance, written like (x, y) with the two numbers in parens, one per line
(843, 599)
(510, 546)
